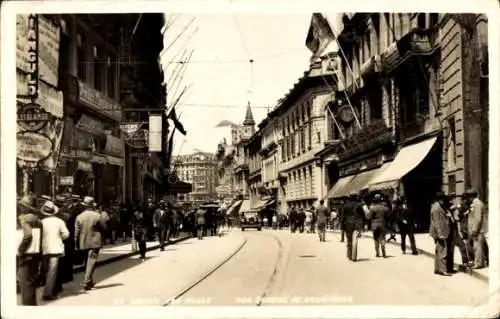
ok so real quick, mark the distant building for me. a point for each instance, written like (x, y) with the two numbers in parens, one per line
(200, 170)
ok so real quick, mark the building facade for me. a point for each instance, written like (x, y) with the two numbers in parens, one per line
(405, 134)
(201, 171)
(85, 63)
(255, 188)
(241, 159)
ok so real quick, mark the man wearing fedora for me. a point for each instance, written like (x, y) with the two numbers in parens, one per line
(54, 232)
(378, 214)
(477, 227)
(406, 224)
(89, 233)
(439, 229)
(29, 249)
(354, 216)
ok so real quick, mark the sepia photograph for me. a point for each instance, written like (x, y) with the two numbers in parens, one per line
(191, 161)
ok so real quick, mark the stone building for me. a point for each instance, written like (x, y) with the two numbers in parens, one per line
(89, 59)
(241, 159)
(200, 170)
(413, 85)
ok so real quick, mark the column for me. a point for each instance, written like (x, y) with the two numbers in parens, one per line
(318, 183)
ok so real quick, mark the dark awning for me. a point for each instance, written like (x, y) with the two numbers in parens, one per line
(337, 190)
(361, 180)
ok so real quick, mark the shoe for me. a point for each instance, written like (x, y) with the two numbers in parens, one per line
(48, 298)
(414, 253)
(442, 273)
(377, 255)
(403, 252)
(478, 267)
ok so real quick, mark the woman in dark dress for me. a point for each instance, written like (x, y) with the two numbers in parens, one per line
(140, 230)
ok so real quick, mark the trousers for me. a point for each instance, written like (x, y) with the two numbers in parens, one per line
(28, 278)
(479, 244)
(162, 235)
(379, 239)
(440, 255)
(352, 243)
(407, 230)
(92, 255)
(51, 264)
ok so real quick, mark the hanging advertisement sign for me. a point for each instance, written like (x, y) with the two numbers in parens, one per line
(345, 114)
(130, 128)
(33, 147)
(155, 133)
(48, 50)
(51, 103)
(114, 145)
(66, 181)
(27, 52)
(139, 139)
(31, 117)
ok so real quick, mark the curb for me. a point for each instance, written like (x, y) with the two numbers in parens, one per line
(81, 268)
(207, 274)
(472, 272)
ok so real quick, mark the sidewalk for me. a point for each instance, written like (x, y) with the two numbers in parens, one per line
(111, 253)
(425, 246)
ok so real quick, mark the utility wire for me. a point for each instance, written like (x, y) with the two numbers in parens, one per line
(241, 36)
(182, 72)
(257, 59)
(180, 34)
(175, 71)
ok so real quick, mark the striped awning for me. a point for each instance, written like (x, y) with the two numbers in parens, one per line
(245, 206)
(340, 188)
(233, 207)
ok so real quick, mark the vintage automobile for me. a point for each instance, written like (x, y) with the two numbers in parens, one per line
(250, 220)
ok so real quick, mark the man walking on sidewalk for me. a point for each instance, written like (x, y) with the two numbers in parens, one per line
(406, 224)
(89, 234)
(457, 236)
(322, 218)
(160, 224)
(478, 220)
(353, 225)
(439, 229)
(378, 214)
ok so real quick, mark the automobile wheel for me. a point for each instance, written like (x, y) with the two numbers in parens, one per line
(259, 229)
(242, 229)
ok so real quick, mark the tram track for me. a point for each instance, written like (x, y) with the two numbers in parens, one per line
(259, 300)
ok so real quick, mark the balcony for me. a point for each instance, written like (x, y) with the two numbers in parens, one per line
(416, 42)
(370, 137)
(418, 126)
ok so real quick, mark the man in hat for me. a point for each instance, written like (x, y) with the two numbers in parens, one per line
(378, 214)
(457, 235)
(439, 229)
(89, 233)
(477, 227)
(29, 249)
(353, 220)
(322, 219)
(54, 232)
(160, 223)
(405, 224)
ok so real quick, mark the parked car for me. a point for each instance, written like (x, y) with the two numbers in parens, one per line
(250, 220)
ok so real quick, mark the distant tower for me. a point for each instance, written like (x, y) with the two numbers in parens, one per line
(248, 123)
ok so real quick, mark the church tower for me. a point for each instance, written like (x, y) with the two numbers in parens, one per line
(248, 123)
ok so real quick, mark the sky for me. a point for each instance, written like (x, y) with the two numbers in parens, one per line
(220, 72)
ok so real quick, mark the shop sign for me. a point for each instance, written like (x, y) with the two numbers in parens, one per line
(130, 128)
(27, 51)
(75, 153)
(98, 102)
(31, 117)
(89, 124)
(33, 147)
(66, 181)
(139, 139)
(139, 154)
(48, 51)
(51, 100)
(155, 133)
(114, 145)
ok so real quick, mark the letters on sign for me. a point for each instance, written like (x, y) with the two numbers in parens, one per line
(31, 117)
(66, 181)
(98, 101)
(33, 147)
(32, 56)
(49, 39)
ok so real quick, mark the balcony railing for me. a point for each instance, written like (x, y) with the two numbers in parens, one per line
(369, 137)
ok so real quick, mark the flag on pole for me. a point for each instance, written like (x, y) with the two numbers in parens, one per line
(170, 147)
(177, 123)
(319, 36)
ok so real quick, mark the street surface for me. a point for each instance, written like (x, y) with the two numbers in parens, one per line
(273, 268)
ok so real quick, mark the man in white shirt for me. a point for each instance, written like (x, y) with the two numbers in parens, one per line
(54, 232)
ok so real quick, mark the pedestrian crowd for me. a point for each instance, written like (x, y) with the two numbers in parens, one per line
(55, 235)
(455, 221)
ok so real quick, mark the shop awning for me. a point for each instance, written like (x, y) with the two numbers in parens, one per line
(233, 207)
(361, 180)
(245, 206)
(405, 161)
(338, 189)
(113, 160)
(264, 202)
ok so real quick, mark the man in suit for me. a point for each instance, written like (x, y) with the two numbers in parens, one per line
(322, 218)
(353, 223)
(439, 229)
(90, 227)
(477, 228)
(405, 224)
(160, 224)
(29, 249)
(378, 214)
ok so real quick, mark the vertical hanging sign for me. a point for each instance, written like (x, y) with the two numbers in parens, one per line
(32, 56)
(155, 133)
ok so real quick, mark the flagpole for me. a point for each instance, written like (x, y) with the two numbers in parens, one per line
(330, 111)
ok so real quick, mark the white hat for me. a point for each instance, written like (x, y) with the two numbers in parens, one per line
(49, 208)
(89, 201)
